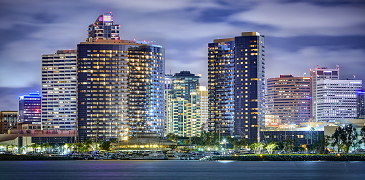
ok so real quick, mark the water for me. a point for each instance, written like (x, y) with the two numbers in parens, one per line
(171, 170)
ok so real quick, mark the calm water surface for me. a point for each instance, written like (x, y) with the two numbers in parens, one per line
(86, 170)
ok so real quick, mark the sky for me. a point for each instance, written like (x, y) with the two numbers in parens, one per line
(299, 35)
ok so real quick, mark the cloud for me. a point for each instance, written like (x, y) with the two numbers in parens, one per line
(299, 62)
(146, 6)
(295, 19)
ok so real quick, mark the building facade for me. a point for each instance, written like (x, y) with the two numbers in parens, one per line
(168, 105)
(318, 74)
(289, 99)
(103, 28)
(120, 89)
(59, 87)
(360, 95)
(8, 121)
(236, 84)
(336, 99)
(30, 108)
(204, 108)
(184, 96)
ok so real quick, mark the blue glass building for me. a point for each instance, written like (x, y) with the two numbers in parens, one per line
(30, 108)
(236, 81)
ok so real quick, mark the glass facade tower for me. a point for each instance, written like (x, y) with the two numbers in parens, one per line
(59, 88)
(236, 84)
(30, 108)
(184, 96)
(120, 89)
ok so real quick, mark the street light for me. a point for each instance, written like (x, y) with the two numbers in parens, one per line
(225, 146)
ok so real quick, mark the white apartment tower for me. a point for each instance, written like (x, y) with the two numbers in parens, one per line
(59, 90)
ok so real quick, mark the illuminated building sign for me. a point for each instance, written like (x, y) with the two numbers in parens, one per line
(106, 18)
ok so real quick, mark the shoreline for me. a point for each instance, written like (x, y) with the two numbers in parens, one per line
(275, 157)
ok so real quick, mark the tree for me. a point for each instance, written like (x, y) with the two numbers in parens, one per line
(344, 138)
(34, 146)
(47, 146)
(362, 135)
(105, 145)
(240, 143)
(288, 145)
(172, 137)
(271, 147)
(321, 144)
(257, 147)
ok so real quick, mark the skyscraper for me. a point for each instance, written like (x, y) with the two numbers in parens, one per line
(184, 96)
(336, 99)
(59, 88)
(236, 72)
(289, 99)
(103, 28)
(204, 108)
(318, 74)
(30, 108)
(120, 89)
(168, 105)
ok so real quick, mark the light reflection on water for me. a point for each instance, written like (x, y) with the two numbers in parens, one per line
(86, 170)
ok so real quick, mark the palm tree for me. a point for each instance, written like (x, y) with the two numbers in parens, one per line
(271, 147)
(288, 145)
(34, 146)
(47, 146)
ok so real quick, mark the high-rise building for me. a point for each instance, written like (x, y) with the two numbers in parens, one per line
(184, 96)
(103, 28)
(236, 72)
(204, 108)
(289, 99)
(8, 121)
(30, 108)
(318, 74)
(168, 105)
(336, 99)
(360, 94)
(120, 89)
(59, 88)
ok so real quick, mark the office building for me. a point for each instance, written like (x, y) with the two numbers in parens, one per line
(30, 108)
(360, 95)
(8, 121)
(120, 89)
(289, 99)
(336, 99)
(103, 28)
(236, 72)
(59, 88)
(184, 96)
(318, 74)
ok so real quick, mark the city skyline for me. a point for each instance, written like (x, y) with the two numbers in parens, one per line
(312, 33)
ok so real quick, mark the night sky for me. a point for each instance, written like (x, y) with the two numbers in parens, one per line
(299, 34)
